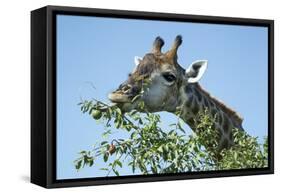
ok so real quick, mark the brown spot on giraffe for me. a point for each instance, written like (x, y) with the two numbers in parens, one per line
(219, 118)
(212, 105)
(198, 95)
(213, 112)
(189, 101)
(226, 124)
(196, 107)
(205, 102)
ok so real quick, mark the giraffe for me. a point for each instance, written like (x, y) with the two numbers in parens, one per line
(171, 87)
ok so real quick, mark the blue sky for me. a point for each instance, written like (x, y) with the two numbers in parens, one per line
(101, 51)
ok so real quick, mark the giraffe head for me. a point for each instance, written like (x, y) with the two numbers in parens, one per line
(157, 80)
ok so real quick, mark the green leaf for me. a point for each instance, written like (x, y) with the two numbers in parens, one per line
(118, 163)
(115, 172)
(91, 162)
(160, 149)
(83, 152)
(105, 157)
(179, 125)
(104, 142)
(118, 110)
(78, 165)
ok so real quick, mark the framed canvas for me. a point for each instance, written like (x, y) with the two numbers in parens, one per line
(125, 96)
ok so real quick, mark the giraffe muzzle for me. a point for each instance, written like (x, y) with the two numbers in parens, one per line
(124, 94)
(118, 97)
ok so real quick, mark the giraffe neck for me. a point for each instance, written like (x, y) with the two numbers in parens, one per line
(196, 99)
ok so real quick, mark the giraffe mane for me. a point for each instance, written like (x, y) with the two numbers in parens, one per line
(227, 110)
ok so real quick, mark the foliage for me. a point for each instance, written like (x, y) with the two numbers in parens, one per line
(151, 149)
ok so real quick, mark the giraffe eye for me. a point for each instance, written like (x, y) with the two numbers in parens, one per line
(169, 77)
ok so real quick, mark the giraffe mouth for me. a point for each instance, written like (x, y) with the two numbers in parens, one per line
(117, 97)
(122, 101)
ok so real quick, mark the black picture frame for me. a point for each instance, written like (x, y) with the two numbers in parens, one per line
(43, 95)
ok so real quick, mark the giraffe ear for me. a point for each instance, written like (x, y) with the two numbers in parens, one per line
(137, 60)
(196, 70)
